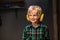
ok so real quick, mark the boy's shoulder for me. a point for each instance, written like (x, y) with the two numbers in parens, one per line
(27, 26)
(43, 25)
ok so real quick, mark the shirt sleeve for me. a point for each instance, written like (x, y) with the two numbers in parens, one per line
(47, 33)
(24, 35)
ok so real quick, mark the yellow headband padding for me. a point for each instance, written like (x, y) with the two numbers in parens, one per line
(27, 17)
(42, 17)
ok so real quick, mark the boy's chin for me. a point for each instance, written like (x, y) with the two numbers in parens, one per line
(33, 21)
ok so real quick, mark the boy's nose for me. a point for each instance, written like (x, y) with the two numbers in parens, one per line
(32, 17)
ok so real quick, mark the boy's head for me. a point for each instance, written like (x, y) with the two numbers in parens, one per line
(36, 8)
(34, 13)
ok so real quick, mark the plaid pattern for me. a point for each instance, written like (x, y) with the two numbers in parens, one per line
(31, 33)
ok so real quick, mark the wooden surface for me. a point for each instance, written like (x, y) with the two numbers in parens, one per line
(55, 19)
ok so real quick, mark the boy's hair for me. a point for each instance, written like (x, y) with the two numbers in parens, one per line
(35, 7)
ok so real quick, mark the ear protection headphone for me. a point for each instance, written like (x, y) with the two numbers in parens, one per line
(41, 17)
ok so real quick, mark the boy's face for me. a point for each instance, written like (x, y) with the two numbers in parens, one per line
(33, 16)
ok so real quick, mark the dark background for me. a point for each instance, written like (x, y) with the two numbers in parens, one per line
(13, 18)
(58, 16)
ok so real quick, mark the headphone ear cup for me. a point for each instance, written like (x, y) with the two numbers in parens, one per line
(41, 17)
(27, 17)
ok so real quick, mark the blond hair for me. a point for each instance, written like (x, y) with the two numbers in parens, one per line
(35, 7)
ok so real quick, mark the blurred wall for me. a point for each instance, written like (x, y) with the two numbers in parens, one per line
(12, 24)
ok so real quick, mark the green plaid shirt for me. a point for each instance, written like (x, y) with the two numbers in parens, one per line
(39, 33)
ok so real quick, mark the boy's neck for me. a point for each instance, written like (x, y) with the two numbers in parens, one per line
(35, 25)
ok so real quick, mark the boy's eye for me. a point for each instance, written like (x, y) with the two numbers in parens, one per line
(30, 15)
(34, 15)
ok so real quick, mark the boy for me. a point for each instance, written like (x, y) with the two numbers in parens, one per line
(37, 30)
